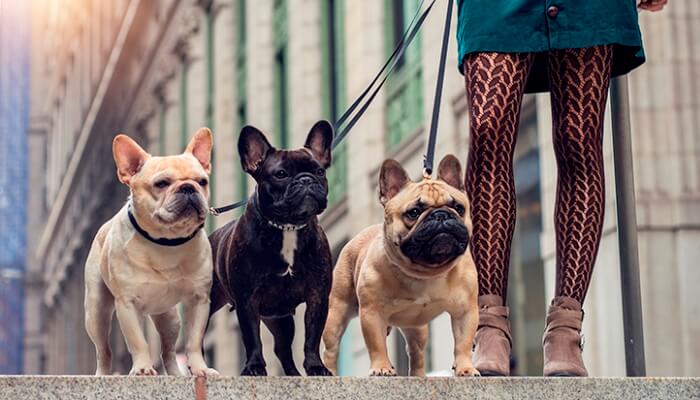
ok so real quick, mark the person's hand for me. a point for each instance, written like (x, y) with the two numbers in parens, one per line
(651, 5)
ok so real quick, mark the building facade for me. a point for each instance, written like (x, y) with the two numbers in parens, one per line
(14, 119)
(159, 70)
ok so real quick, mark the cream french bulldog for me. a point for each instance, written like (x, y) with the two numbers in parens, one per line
(153, 255)
(409, 270)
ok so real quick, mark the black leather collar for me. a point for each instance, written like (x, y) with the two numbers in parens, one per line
(161, 241)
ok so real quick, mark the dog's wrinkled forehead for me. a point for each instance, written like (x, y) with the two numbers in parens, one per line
(182, 166)
(301, 160)
(428, 193)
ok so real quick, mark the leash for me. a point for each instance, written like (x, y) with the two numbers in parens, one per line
(216, 211)
(391, 63)
(387, 69)
(432, 138)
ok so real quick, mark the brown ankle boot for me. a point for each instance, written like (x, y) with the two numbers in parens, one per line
(492, 342)
(562, 340)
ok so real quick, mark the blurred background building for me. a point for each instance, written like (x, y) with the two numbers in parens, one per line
(14, 119)
(158, 70)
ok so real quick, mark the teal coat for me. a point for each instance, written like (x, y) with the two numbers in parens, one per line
(512, 26)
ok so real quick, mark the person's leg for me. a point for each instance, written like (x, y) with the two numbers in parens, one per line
(579, 80)
(495, 83)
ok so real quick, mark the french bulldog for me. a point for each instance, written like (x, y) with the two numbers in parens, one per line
(153, 255)
(409, 270)
(276, 256)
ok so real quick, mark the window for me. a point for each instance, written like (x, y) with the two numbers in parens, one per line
(404, 108)
(209, 99)
(161, 126)
(333, 87)
(281, 49)
(183, 103)
(241, 87)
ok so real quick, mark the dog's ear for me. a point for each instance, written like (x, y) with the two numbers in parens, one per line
(392, 179)
(128, 156)
(450, 172)
(319, 141)
(253, 148)
(200, 148)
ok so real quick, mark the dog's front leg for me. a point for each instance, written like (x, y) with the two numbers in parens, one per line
(464, 324)
(196, 311)
(314, 321)
(131, 323)
(249, 322)
(374, 329)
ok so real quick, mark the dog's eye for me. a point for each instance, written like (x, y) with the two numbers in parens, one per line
(320, 171)
(163, 183)
(203, 182)
(413, 213)
(281, 174)
(460, 209)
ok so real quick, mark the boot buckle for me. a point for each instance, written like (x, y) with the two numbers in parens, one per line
(582, 342)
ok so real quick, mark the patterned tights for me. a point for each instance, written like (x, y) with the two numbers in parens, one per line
(495, 83)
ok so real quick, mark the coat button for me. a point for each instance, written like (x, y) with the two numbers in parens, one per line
(553, 11)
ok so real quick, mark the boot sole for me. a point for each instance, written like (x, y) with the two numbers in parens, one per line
(491, 374)
(563, 375)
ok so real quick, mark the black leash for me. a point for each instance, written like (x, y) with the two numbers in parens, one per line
(372, 91)
(215, 211)
(409, 35)
(432, 138)
(391, 63)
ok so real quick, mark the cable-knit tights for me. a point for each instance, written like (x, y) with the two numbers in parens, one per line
(495, 82)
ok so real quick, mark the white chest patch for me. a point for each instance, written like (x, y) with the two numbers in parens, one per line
(289, 246)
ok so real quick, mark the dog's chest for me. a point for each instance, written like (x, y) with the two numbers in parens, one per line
(289, 242)
(418, 305)
(288, 251)
(158, 279)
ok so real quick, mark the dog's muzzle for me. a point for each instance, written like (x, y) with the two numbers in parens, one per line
(187, 201)
(439, 238)
(306, 195)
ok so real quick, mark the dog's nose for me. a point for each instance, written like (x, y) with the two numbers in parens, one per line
(186, 188)
(306, 180)
(440, 215)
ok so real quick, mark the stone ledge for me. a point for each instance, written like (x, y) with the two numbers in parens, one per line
(177, 388)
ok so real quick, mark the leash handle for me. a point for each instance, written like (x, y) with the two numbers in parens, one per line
(432, 138)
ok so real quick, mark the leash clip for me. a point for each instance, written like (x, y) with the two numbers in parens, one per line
(213, 212)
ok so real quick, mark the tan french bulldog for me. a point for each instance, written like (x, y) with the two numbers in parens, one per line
(409, 270)
(153, 255)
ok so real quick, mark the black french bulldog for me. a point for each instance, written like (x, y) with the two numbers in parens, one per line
(276, 256)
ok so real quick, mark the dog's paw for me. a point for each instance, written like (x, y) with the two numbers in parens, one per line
(143, 371)
(254, 370)
(466, 371)
(318, 370)
(382, 371)
(205, 372)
